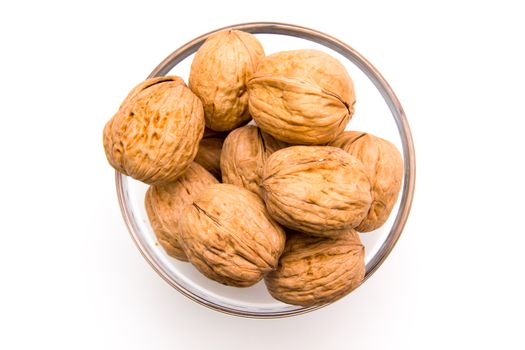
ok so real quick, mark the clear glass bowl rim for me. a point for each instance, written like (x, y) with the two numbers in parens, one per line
(388, 95)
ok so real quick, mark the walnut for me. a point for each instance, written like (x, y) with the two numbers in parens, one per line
(209, 155)
(155, 133)
(384, 165)
(315, 270)
(228, 235)
(301, 96)
(219, 74)
(319, 190)
(165, 202)
(243, 155)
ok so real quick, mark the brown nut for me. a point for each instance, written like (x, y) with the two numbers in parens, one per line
(315, 270)
(209, 155)
(384, 165)
(155, 133)
(219, 74)
(228, 235)
(319, 190)
(243, 155)
(301, 96)
(165, 202)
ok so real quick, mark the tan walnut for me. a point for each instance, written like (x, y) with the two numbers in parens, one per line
(384, 165)
(155, 134)
(301, 96)
(317, 270)
(219, 74)
(243, 155)
(164, 204)
(228, 235)
(209, 155)
(319, 190)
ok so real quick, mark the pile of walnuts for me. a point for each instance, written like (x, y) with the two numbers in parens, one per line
(281, 200)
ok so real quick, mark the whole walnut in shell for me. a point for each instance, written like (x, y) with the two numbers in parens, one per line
(301, 96)
(316, 270)
(155, 134)
(228, 235)
(384, 165)
(209, 155)
(164, 204)
(319, 190)
(243, 156)
(219, 74)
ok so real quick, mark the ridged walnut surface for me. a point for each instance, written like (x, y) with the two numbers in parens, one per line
(209, 155)
(384, 165)
(301, 96)
(219, 74)
(319, 190)
(164, 204)
(155, 134)
(243, 156)
(315, 270)
(228, 235)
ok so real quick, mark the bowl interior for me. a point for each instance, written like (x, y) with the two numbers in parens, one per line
(376, 111)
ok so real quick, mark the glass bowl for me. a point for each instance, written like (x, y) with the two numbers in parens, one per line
(378, 111)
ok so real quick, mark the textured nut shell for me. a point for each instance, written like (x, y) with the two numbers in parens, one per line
(209, 155)
(243, 156)
(166, 240)
(229, 236)
(155, 133)
(219, 74)
(319, 190)
(384, 165)
(164, 204)
(315, 270)
(301, 97)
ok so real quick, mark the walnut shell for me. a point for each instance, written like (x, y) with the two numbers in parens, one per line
(243, 156)
(384, 165)
(219, 74)
(155, 133)
(315, 270)
(319, 190)
(301, 96)
(228, 235)
(164, 204)
(209, 155)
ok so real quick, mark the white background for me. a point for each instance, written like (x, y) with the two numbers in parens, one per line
(70, 276)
